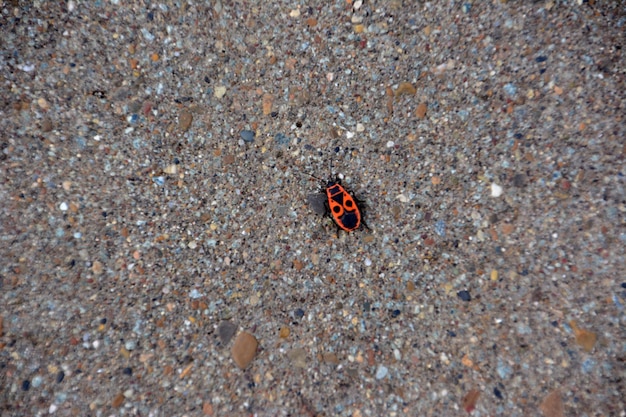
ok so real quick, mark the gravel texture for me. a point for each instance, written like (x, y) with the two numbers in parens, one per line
(162, 248)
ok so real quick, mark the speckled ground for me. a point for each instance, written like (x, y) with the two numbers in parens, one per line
(157, 236)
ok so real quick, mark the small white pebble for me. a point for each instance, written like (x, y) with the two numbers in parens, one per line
(63, 206)
(71, 5)
(295, 13)
(192, 245)
(496, 190)
(171, 169)
(26, 68)
(219, 91)
(391, 144)
(349, 134)
(368, 262)
(53, 408)
(360, 127)
(356, 19)
(439, 69)
(403, 198)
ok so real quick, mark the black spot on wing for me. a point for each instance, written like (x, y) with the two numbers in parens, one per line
(349, 220)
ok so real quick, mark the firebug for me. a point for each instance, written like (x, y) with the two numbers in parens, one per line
(342, 206)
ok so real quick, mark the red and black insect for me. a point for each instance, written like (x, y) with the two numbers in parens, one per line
(342, 207)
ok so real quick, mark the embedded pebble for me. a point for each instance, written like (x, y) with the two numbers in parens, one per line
(510, 89)
(420, 112)
(219, 91)
(281, 139)
(552, 405)
(47, 125)
(297, 357)
(171, 169)
(244, 349)
(247, 135)
(226, 330)
(381, 372)
(184, 121)
(464, 295)
(317, 202)
(496, 190)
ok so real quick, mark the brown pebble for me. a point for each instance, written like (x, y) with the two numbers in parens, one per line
(207, 409)
(118, 400)
(46, 125)
(396, 211)
(228, 159)
(311, 22)
(184, 120)
(330, 357)
(244, 349)
(470, 399)
(268, 101)
(298, 264)
(284, 332)
(97, 267)
(290, 64)
(507, 228)
(405, 89)
(552, 405)
(186, 371)
(584, 338)
(421, 110)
